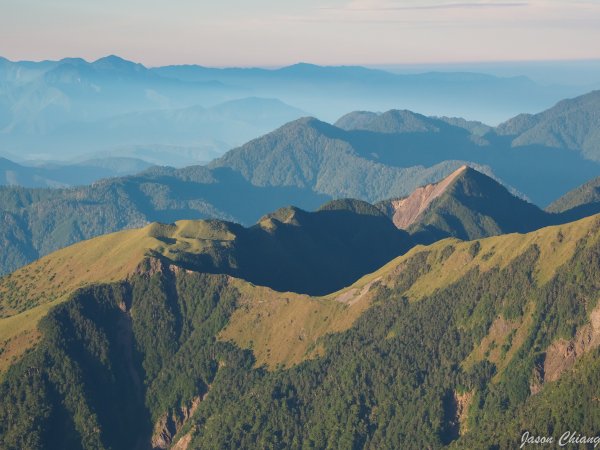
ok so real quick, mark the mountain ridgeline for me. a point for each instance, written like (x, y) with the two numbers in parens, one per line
(467, 204)
(147, 338)
(57, 110)
(573, 124)
(291, 249)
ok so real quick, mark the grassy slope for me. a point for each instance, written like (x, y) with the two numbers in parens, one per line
(208, 246)
(477, 283)
(264, 322)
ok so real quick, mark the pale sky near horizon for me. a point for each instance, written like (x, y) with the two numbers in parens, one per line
(279, 32)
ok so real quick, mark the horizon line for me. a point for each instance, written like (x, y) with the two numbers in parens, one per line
(284, 65)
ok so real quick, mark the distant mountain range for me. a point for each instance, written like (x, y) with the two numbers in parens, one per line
(329, 92)
(57, 110)
(63, 109)
(70, 174)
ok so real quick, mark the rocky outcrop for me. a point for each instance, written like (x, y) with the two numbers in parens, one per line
(537, 379)
(184, 442)
(404, 212)
(463, 401)
(151, 266)
(170, 423)
(562, 354)
(456, 408)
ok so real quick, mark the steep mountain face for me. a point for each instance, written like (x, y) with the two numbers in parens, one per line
(151, 354)
(406, 211)
(573, 124)
(467, 205)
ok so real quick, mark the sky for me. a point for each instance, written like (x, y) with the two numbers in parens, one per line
(272, 33)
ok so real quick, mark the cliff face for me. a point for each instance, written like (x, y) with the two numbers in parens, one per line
(169, 424)
(562, 354)
(406, 211)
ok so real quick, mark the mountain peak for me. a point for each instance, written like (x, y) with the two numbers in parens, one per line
(308, 122)
(114, 62)
(392, 121)
(286, 214)
(468, 205)
(406, 211)
(301, 66)
(73, 61)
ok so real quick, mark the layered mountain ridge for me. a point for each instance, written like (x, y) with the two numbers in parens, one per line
(412, 298)
(55, 110)
(303, 163)
(289, 249)
(130, 311)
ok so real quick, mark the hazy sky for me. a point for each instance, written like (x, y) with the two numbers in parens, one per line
(279, 32)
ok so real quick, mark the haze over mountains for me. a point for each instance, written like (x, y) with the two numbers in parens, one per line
(367, 156)
(374, 156)
(67, 174)
(329, 92)
(59, 110)
(394, 152)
